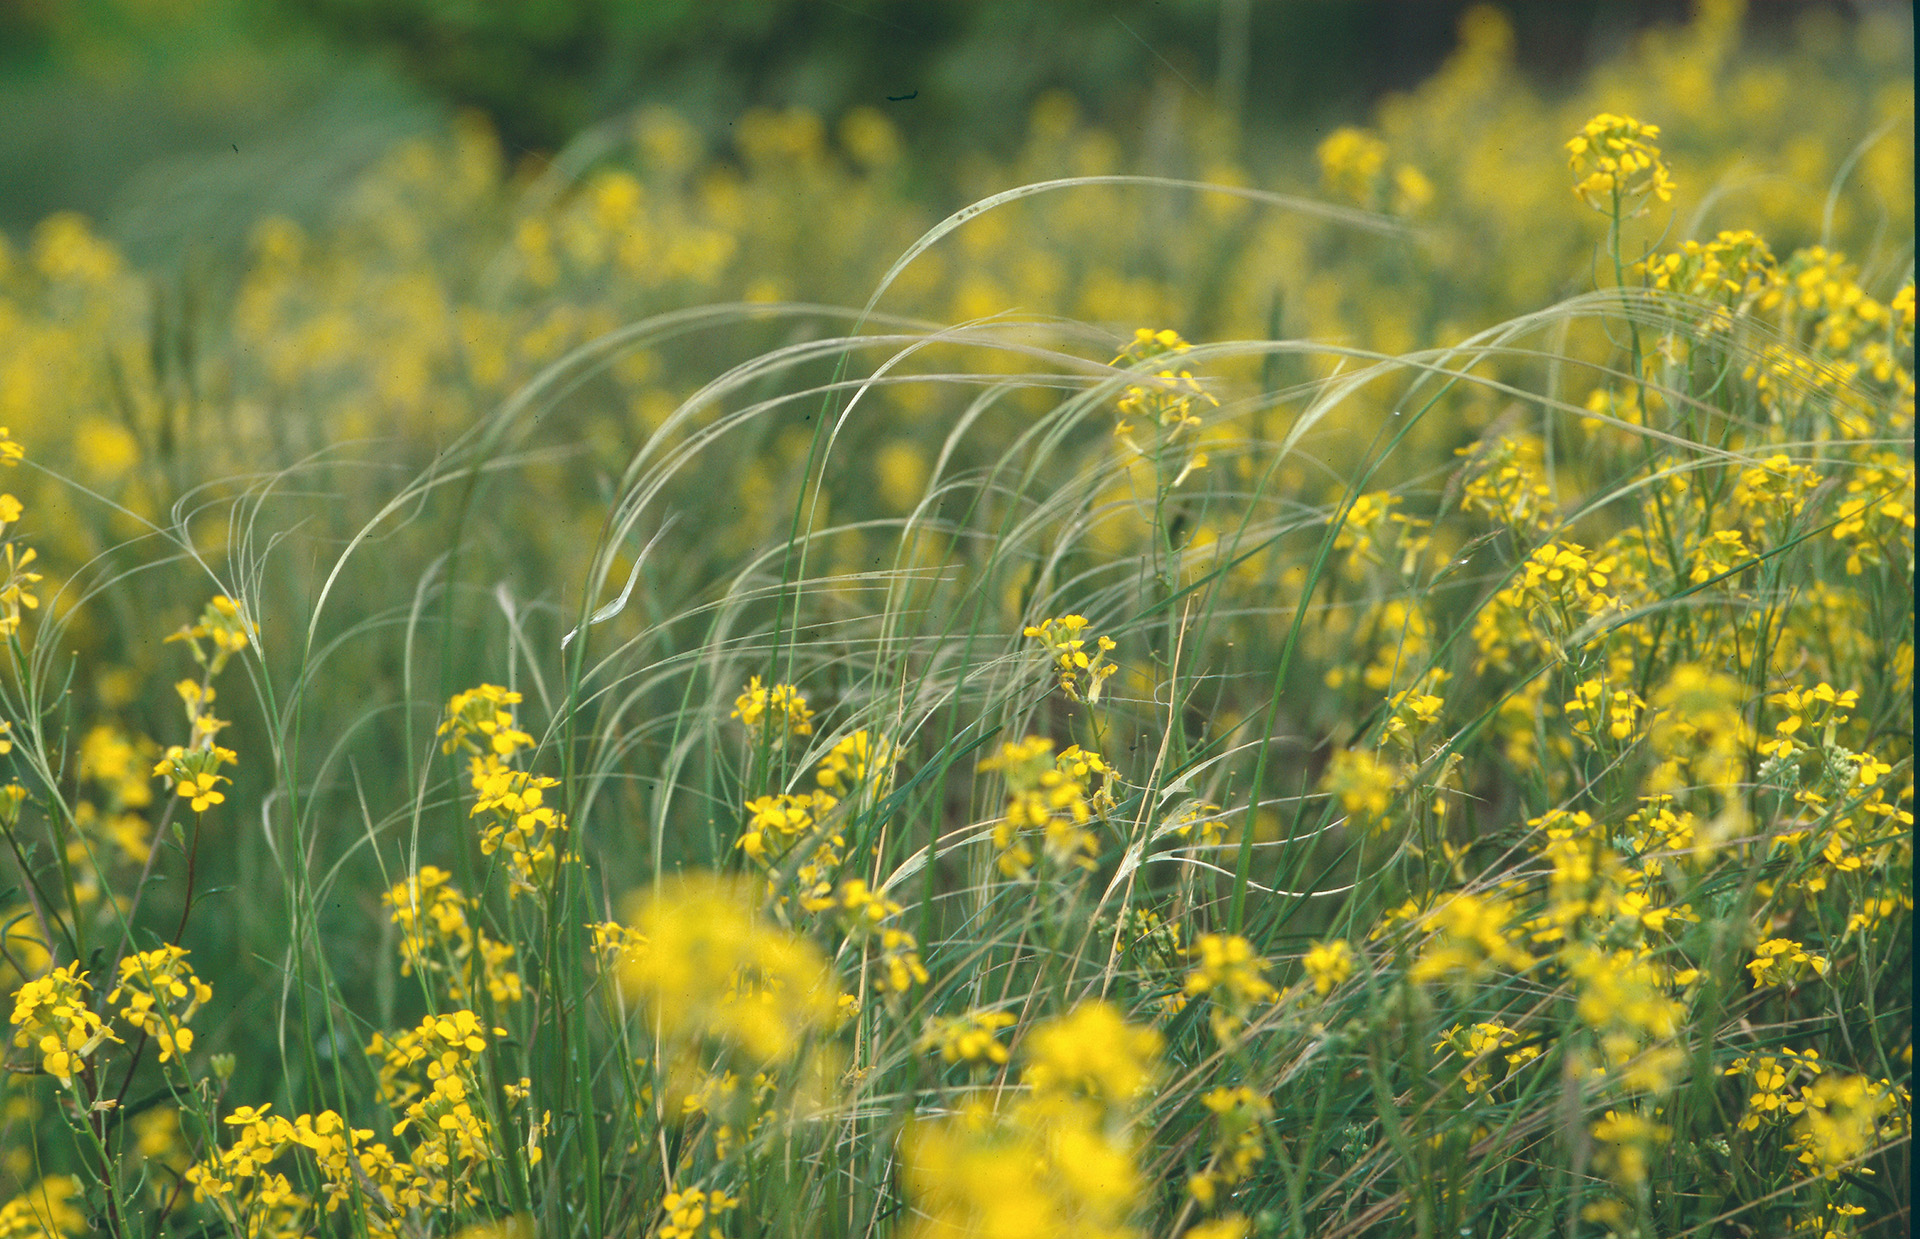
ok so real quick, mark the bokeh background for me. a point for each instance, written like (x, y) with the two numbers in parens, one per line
(175, 124)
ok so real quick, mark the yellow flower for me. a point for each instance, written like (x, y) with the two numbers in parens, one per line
(162, 994)
(1782, 961)
(1627, 1143)
(1092, 1050)
(782, 702)
(53, 1018)
(1072, 658)
(862, 760)
(710, 967)
(1616, 167)
(1229, 972)
(483, 712)
(1364, 786)
(1042, 799)
(1846, 1117)
(695, 1214)
(969, 1038)
(222, 623)
(1328, 964)
(1351, 164)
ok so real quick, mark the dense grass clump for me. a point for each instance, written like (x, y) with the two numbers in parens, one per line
(492, 755)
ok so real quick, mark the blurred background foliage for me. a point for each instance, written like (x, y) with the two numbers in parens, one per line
(179, 122)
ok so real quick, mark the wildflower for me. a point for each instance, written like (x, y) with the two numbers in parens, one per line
(1595, 709)
(483, 712)
(1410, 711)
(861, 760)
(1782, 961)
(1060, 1161)
(1623, 997)
(53, 1019)
(1229, 972)
(1167, 403)
(523, 827)
(1772, 1079)
(16, 586)
(782, 702)
(969, 1038)
(1776, 490)
(1328, 964)
(1083, 766)
(1042, 799)
(1238, 1115)
(438, 939)
(711, 968)
(1229, 1226)
(1092, 1051)
(1480, 1042)
(1071, 657)
(1351, 163)
(1819, 707)
(1469, 939)
(695, 1214)
(1846, 1117)
(977, 1174)
(48, 1207)
(1373, 523)
(1505, 481)
(118, 763)
(1876, 515)
(1616, 166)
(162, 995)
(223, 624)
(1364, 785)
(776, 823)
(1698, 728)
(899, 966)
(1627, 1144)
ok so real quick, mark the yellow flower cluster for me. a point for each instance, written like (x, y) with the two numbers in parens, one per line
(354, 1169)
(1072, 658)
(860, 762)
(517, 820)
(1042, 800)
(1505, 481)
(970, 1038)
(1469, 940)
(1238, 1143)
(1616, 166)
(17, 579)
(782, 702)
(1328, 964)
(1059, 1161)
(1477, 1045)
(1846, 1117)
(431, 1075)
(51, 1017)
(162, 993)
(709, 968)
(1166, 403)
(45, 1210)
(192, 770)
(1364, 784)
(1228, 970)
(695, 1214)
(224, 626)
(438, 938)
(1782, 961)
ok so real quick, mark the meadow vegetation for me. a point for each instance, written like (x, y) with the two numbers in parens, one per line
(673, 693)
